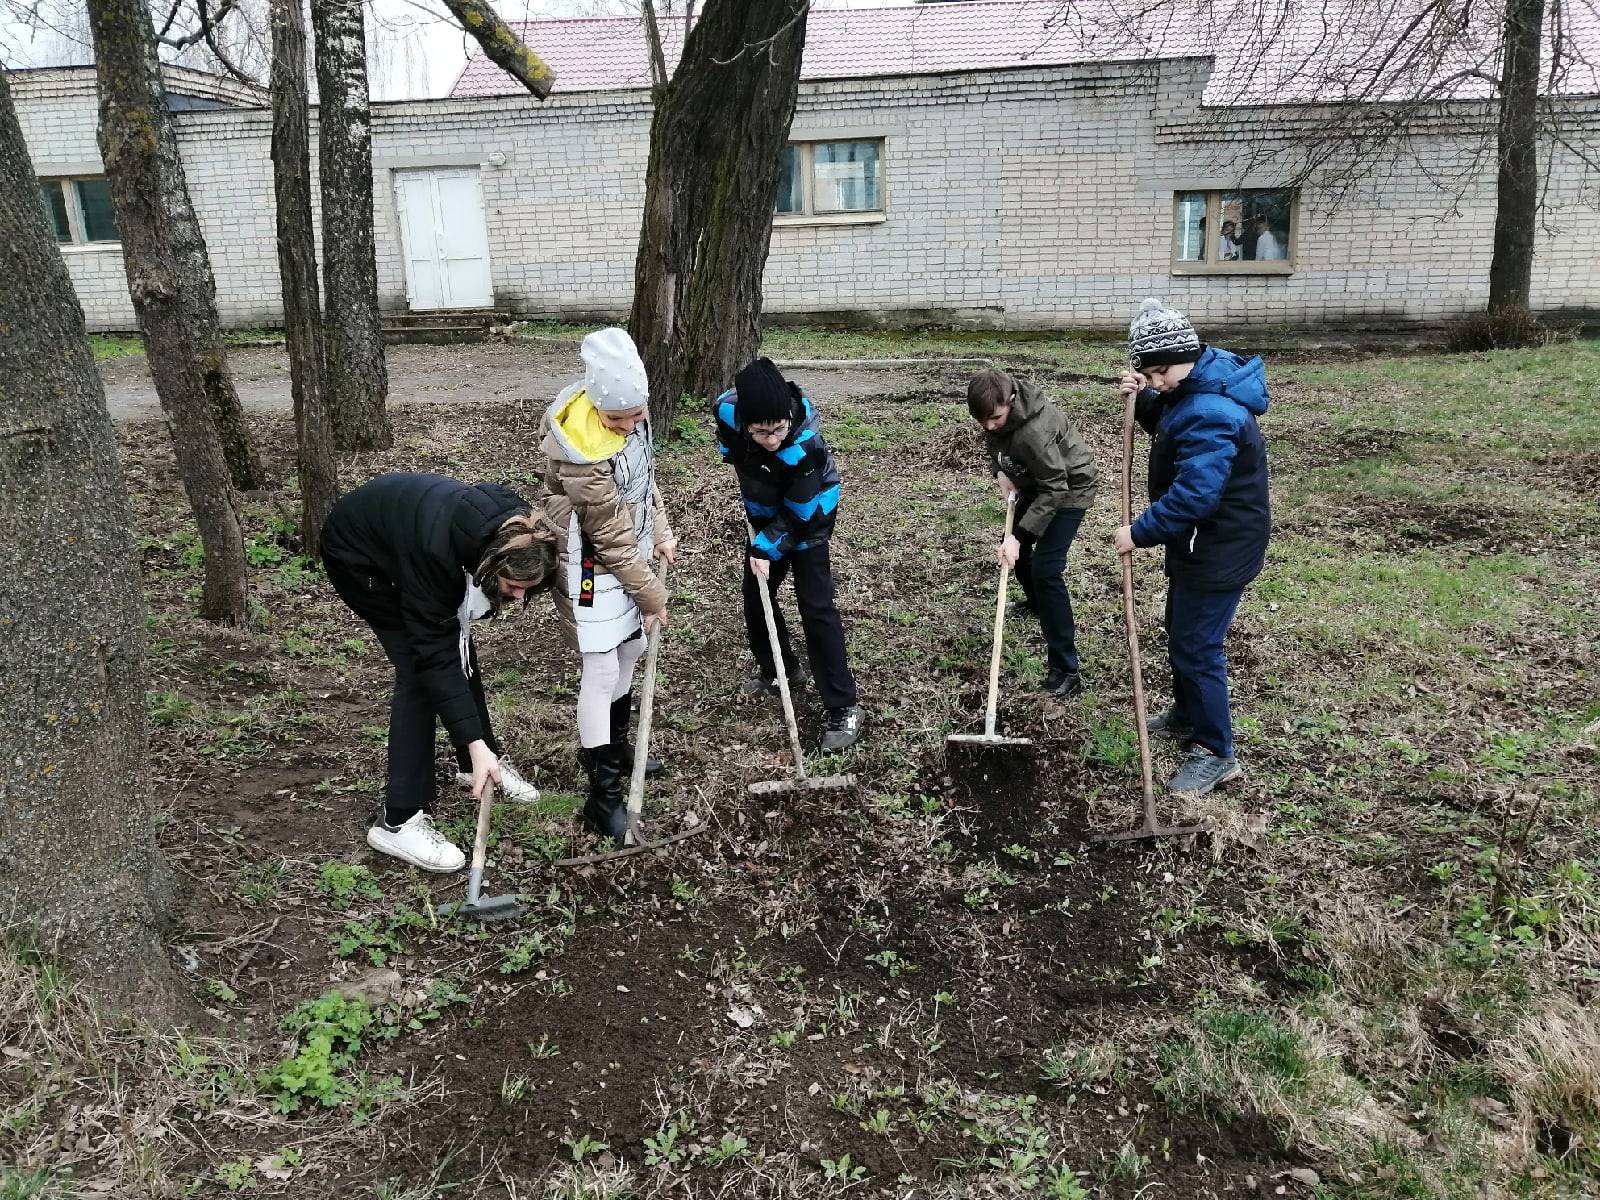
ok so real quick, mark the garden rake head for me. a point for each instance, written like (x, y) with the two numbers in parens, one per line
(476, 905)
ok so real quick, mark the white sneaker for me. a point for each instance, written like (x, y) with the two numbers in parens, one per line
(418, 843)
(513, 786)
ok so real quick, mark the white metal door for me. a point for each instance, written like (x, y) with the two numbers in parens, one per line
(445, 239)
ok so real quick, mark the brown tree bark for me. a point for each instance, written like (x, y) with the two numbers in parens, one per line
(356, 377)
(80, 875)
(502, 46)
(297, 268)
(1517, 182)
(716, 146)
(174, 295)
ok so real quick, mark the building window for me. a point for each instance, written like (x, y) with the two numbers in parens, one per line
(821, 179)
(79, 210)
(1249, 232)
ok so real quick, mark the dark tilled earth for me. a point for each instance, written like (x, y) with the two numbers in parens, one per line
(915, 947)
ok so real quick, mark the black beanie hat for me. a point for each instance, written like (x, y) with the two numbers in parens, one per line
(762, 394)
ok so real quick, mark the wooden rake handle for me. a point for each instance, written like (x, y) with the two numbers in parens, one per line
(990, 714)
(480, 843)
(1147, 771)
(764, 588)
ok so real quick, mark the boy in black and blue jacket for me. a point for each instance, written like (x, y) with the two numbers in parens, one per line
(771, 434)
(1209, 507)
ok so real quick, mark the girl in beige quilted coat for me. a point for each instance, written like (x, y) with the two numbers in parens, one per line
(602, 500)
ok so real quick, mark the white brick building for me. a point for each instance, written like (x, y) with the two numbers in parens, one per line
(1016, 196)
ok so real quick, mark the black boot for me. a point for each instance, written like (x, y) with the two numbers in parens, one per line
(606, 811)
(621, 720)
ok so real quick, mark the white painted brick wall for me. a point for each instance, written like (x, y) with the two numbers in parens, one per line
(1031, 198)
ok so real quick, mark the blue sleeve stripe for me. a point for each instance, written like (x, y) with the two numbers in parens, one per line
(725, 412)
(824, 501)
(760, 510)
(762, 542)
(792, 455)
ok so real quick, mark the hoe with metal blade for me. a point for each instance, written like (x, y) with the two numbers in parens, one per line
(478, 906)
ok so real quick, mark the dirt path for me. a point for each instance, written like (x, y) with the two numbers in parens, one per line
(449, 374)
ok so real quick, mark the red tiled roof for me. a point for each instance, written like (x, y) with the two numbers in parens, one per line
(1314, 52)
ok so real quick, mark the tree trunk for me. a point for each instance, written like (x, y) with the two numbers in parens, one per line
(1517, 186)
(133, 90)
(80, 874)
(174, 296)
(297, 267)
(356, 380)
(716, 148)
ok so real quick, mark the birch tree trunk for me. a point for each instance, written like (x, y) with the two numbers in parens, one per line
(357, 379)
(297, 268)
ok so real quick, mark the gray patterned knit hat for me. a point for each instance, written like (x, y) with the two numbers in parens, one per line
(1160, 336)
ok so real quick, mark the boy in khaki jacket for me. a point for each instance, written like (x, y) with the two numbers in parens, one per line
(1039, 458)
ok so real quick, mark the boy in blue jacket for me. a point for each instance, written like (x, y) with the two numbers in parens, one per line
(770, 432)
(1209, 508)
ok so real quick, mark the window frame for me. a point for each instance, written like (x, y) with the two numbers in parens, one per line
(77, 223)
(808, 215)
(1210, 264)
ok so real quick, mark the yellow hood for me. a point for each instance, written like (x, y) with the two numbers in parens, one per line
(578, 432)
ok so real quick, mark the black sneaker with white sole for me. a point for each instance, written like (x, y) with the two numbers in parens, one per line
(843, 728)
(1170, 724)
(1062, 683)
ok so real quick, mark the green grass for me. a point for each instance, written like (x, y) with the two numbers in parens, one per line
(115, 345)
(1096, 353)
(1550, 395)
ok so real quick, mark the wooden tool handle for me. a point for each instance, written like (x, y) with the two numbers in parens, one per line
(999, 628)
(763, 587)
(1147, 771)
(647, 711)
(480, 842)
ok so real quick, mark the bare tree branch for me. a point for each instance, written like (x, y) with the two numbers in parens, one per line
(503, 47)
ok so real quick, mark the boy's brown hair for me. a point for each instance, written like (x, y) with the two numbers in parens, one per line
(988, 392)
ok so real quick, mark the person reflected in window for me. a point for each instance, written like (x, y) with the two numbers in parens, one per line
(1228, 247)
(1270, 246)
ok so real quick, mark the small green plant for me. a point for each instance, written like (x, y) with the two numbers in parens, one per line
(234, 1174)
(583, 1147)
(685, 891)
(169, 708)
(891, 962)
(731, 1147)
(512, 1090)
(260, 553)
(1062, 1184)
(260, 882)
(666, 1148)
(543, 1048)
(879, 1123)
(343, 883)
(329, 1033)
(843, 1170)
(784, 1039)
(529, 949)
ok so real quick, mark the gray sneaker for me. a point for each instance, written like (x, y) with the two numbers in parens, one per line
(1170, 724)
(843, 728)
(1203, 771)
(758, 684)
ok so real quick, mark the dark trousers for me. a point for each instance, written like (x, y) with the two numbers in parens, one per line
(1197, 626)
(410, 785)
(1041, 570)
(819, 618)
